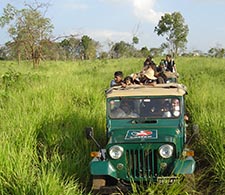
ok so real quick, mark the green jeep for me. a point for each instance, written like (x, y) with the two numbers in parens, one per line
(146, 138)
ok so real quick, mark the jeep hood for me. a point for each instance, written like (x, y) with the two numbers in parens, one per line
(151, 135)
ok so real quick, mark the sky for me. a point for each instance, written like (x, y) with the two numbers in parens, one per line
(110, 21)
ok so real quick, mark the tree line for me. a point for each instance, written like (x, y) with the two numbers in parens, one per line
(31, 38)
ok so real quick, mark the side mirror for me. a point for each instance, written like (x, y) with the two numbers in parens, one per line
(90, 135)
(89, 132)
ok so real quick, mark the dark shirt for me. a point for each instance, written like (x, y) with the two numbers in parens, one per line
(169, 65)
(146, 81)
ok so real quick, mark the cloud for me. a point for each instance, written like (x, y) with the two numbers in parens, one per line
(144, 9)
(103, 35)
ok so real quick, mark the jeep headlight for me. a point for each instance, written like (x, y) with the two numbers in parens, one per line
(115, 152)
(166, 151)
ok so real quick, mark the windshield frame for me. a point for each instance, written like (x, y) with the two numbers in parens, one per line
(113, 104)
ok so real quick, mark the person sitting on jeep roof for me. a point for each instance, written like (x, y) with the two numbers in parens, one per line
(149, 63)
(128, 80)
(170, 64)
(162, 78)
(161, 67)
(118, 79)
(148, 78)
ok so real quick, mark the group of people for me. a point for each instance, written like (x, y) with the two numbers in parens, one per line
(125, 110)
(156, 107)
(150, 74)
(172, 109)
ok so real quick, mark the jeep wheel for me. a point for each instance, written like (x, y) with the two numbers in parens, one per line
(97, 183)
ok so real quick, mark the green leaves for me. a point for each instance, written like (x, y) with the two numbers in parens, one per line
(172, 25)
(9, 13)
(27, 28)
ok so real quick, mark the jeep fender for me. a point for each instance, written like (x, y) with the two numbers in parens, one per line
(184, 166)
(102, 168)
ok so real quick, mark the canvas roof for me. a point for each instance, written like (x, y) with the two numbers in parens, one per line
(170, 89)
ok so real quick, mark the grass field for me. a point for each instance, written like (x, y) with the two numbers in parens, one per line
(44, 112)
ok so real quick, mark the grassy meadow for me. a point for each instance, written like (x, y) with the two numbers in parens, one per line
(43, 114)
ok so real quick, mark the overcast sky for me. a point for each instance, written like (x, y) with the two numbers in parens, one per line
(116, 20)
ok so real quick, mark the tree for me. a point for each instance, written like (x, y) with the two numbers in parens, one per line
(103, 55)
(217, 52)
(51, 50)
(123, 49)
(71, 47)
(144, 51)
(88, 47)
(156, 52)
(3, 52)
(135, 40)
(27, 28)
(173, 26)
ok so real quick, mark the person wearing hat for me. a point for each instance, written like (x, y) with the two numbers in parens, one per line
(149, 78)
(150, 64)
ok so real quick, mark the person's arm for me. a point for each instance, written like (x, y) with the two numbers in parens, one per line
(123, 84)
(174, 67)
(113, 83)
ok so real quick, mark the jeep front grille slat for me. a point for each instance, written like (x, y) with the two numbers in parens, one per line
(141, 163)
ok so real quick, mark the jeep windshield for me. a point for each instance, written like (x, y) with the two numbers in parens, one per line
(123, 108)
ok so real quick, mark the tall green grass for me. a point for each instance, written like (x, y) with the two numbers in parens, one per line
(206, 104)
(44, 112)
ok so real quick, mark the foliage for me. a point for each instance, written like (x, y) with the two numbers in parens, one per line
(217, 52)
(172, 25)
(135, 40)
(156, 52)
(71, 47)
(9, 78)
(43, 148)
(144, 51)
(206, 105)
(27, 28)
(122, 49)
(3, 52)
(31, 39)
(88, 47)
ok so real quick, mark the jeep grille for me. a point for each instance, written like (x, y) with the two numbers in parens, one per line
(142, 164)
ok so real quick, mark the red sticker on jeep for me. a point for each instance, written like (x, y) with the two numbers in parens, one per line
(137, 134)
